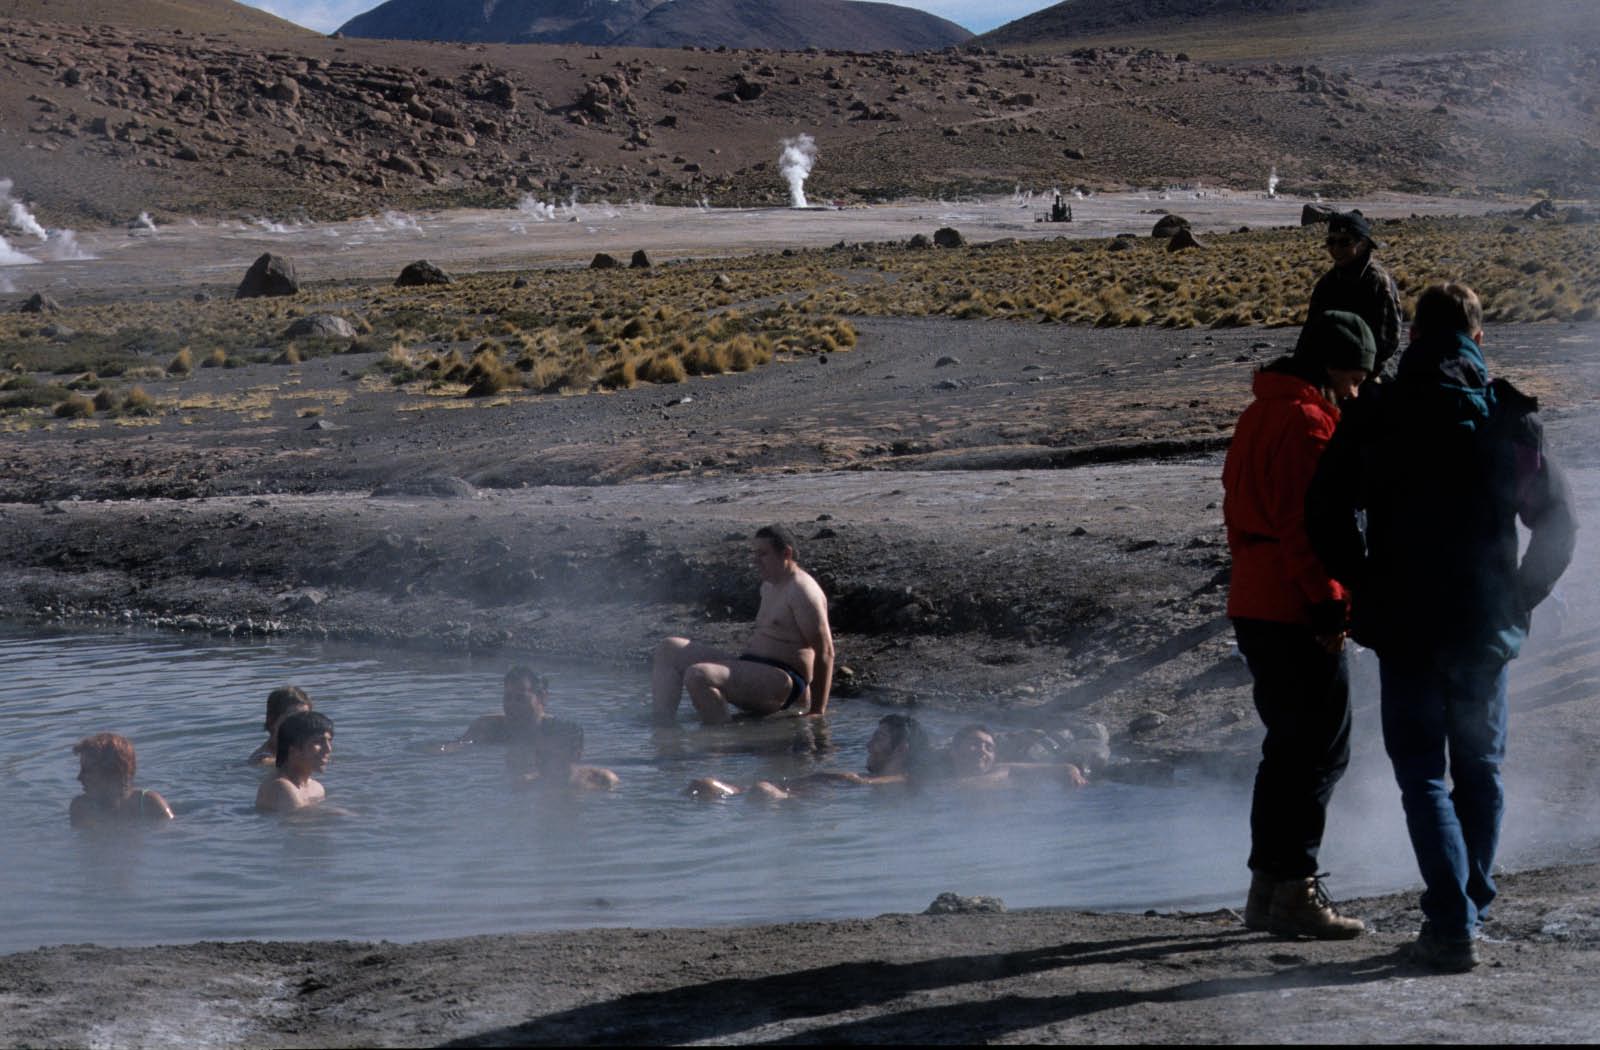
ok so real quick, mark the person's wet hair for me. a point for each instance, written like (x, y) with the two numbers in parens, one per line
(283, 700)
(559, 740)
(780, 537)
(526, 675)
(906, 730)
(298, 728)
(109, 752)
(1446, 309)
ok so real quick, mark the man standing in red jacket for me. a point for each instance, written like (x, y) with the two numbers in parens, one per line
(1289, 618)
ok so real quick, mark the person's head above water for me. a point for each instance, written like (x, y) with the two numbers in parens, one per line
(106, 764)
(525, 695)
(307, 735)
(972, 751)
(283, 702)
(897, 744)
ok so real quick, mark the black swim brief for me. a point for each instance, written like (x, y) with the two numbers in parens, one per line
(797, 681)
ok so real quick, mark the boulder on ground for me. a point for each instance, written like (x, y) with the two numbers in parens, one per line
(947, 237)
(1542, 209)
(320, 326)
(268, 275)
(420, 273)
(1312, 214)
(1121, 243)
(1168, 225)
(919, 240)
(640, 261)
(1182, 240)
(948, 903)
(602, 261)
(39, 303)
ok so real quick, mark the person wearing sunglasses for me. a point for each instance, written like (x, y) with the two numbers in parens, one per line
(1359, 284)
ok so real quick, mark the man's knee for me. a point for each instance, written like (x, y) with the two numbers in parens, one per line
(669, 650)
(699, 679)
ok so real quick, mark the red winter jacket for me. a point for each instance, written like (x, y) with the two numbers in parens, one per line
(1274, 453)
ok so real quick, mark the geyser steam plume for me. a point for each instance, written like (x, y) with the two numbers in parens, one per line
(799, 154)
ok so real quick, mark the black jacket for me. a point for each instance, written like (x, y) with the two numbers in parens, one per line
(1443, 463)
(1366, 290)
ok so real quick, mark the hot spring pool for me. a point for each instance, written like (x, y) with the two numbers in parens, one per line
(437, 845)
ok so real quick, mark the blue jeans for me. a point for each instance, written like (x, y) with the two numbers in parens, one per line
(1440, 717)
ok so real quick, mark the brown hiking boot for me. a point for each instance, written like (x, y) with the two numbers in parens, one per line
(1302, 908)
(1258, 905)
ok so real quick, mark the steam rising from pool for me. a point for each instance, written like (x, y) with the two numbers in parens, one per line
(794, 164)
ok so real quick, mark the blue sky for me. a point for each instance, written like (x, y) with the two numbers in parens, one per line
(977, 15)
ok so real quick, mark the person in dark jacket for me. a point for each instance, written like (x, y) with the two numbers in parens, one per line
(1444, 462)
(1289, 618)
(1359, 284)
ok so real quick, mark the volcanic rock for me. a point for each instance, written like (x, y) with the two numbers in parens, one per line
(320, 326)
(421, 272)
(1168, 225)
(640, 261)
(947, 237)
(1312, 214)
(948, 903)
(1182, 240)
(602, 261)
(268, 275)
(919, 240)
(39, 303)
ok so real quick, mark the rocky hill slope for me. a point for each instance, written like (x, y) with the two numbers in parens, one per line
(511, 21)
(262, 124)
(778, 24)
(1298, 28)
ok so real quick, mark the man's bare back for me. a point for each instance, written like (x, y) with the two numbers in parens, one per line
(787, 663)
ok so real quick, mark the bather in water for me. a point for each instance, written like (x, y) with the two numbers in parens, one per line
(281, 703)
(106, 765)
(551, 759)
(522, 706)
(305, 744)
(896, 747)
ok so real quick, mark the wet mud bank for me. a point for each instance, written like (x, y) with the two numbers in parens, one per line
(1025, 976)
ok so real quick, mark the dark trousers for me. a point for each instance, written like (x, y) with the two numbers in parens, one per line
(1302, 693)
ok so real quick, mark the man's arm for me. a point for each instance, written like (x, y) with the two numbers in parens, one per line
(1332, 501)
(811, 616)
(1544, 503)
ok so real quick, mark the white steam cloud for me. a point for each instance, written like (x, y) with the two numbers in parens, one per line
(799, 154)
(1272, 183)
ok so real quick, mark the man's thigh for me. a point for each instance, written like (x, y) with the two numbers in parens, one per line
(1413, 697)
(698, 653)
(755, 687)
(1477, 712)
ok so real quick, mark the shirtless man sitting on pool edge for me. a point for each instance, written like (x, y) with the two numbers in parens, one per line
(788, 662)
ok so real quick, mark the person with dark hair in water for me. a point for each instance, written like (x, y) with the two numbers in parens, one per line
(897, 746)
(1415, 508)
(305, 744)
(281, 703)
(1359, 284)
(522, 709)
(106, 765)
(1289, 618)
(787, 664)
(556, 752)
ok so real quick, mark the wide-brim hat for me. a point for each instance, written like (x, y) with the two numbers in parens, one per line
(1353, 223)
